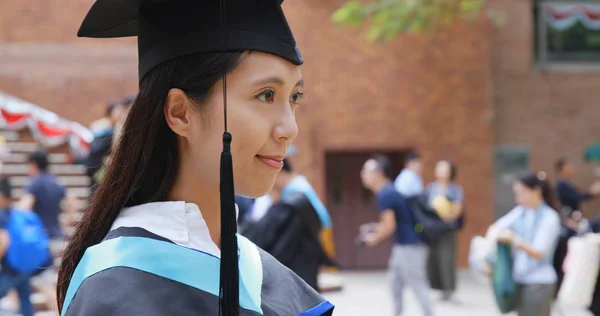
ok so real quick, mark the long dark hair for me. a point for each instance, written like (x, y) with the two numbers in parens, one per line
(145, 163)
(540, 181)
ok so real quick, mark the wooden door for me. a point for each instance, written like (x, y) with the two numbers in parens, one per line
(351, 205)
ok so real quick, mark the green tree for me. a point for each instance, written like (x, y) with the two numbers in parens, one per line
(389, 18)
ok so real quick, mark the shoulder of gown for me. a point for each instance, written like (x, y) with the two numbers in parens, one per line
(121, 291)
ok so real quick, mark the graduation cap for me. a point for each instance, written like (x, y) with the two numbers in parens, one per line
(167, 29)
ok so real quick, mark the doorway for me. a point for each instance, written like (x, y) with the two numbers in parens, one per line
(351, 205)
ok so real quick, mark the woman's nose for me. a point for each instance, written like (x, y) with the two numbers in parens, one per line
(287, 128)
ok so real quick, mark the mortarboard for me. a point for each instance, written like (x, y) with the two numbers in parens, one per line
(171, 28)
(167, 29)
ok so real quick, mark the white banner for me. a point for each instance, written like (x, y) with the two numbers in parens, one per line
(563, 16)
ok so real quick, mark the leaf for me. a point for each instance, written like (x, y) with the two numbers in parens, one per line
(375, 32)
(349, 13)
(389, 18)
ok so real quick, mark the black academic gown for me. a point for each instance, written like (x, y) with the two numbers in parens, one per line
(290, 233)
(125, 291)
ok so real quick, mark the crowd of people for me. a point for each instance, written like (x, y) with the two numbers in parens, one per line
(537, 232)
(293, 225)
(30, 228)
(44, 197)
(423, 220)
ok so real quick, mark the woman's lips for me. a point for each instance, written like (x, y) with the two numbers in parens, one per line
(273, 162)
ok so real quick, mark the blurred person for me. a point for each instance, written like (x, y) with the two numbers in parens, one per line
(104, 131)
(111, 116)
(118, 125)
(43, 194)
(289, 231)
(441, 266)
(410, 182)
(573, 221)
(291, 182)
(569, 196)
(9, 277)
(533, 229)
(408, 261)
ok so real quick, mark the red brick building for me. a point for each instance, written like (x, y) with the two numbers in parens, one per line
(459, 94)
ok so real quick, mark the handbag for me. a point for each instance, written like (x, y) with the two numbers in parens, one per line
(505, 288)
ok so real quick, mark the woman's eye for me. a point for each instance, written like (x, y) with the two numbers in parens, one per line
(267, 96)
(296, 97)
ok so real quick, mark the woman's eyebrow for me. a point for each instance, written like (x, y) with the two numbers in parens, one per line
(278, 81)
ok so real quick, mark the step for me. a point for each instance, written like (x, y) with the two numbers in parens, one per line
(10, 136)
(79, 203)
(23, 169)
(23, 147)
(75, 192)
(66, 181)
(22, 158)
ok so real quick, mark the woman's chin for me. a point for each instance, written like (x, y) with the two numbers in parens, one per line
(255, 189)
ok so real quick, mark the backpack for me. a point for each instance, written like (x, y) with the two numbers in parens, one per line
(28, 250)
(428, 223)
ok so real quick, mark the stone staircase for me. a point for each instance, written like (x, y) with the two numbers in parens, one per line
(74, 179)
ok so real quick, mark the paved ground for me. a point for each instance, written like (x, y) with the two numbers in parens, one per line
(367, 294)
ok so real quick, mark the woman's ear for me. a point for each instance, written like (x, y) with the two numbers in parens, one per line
(177, 111)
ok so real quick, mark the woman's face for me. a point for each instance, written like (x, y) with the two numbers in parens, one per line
(442, 171)
(526, 196)
(262, 96)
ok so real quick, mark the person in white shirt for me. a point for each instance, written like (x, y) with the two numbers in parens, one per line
(532, 228)
(409, 182)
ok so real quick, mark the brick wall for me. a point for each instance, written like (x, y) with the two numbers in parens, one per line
(434, 94)
(553, 113)
(430, 93)
(42, 60)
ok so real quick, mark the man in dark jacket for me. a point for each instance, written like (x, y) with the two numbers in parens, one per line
(569, 195)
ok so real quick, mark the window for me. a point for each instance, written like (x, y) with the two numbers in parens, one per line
(568, 33)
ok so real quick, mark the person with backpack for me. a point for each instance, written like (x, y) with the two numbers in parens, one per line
(407, 264)
(23, 249)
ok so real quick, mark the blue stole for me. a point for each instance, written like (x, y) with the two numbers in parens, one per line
(302, 186)
(173, 262)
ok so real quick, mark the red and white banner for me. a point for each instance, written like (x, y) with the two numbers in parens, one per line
(563, 16)
(46, 127)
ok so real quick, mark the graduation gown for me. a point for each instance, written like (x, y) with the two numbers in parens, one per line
(289, 231)
(136, 272)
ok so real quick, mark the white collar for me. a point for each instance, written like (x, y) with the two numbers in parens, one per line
(178, 221)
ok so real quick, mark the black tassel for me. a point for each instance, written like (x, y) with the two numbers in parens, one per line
(229, 289)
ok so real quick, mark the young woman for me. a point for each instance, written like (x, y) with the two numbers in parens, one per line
(533, 228)
(441, 266)
(159, 237)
